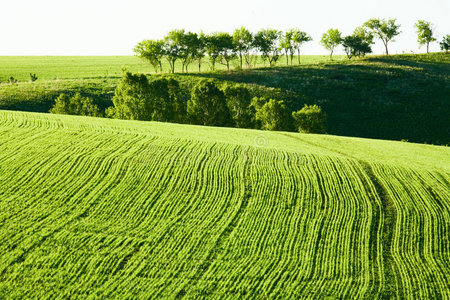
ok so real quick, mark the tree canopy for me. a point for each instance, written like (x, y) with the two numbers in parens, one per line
(425, 33)
(385, 30)
(331, 39)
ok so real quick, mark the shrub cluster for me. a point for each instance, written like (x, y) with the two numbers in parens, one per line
(76, 105)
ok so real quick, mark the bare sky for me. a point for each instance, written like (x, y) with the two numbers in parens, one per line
(113, 27)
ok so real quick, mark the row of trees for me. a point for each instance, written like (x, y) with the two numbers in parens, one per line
(270, 44)
(359, 43)
(222, 47)
(209, 104)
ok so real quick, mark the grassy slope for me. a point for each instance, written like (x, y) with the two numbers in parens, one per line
(397, 97)
(89, 67)
(116, 208)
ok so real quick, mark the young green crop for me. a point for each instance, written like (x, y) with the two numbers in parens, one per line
(128, 209)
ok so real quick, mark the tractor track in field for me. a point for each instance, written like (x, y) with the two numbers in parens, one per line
(386, 221)
(226, 233)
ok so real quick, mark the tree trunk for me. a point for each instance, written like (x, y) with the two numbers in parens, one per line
(228, 65)
(240, 54)
(160, 67)
(287, 59)
(298, 51)
(386, 46)
(428, 47)
(331, 54)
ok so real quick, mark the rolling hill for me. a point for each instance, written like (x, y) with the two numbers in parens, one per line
(100, 208)
(395, 98)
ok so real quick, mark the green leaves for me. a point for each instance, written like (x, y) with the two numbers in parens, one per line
(310, 119)
(331, 39)
(425, 33)
(266, 41)
(385, 30)
(76, 105)
(207, 105)
(274, 115)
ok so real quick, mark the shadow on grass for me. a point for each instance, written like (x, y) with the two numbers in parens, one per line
(394, 98)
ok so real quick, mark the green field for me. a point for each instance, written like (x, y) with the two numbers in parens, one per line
(86, 67)
(99, 208)
(396, 97)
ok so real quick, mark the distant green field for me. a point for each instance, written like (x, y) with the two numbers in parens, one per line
(81, 67)
(99, 208)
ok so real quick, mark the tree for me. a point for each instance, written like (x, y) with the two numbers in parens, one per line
(212, 47)
(266, 41)
(330, 40)
(310, 119)
(132, 99)
(152, 51)
(77, 105)
(243, 43)
(178, 99)
(162, 108)
(286, 44)
(207, 105)
(227, 51)
(445, 44)
(355, 46)
(425, 33)
(198, 50)
(189, 44)
(385, 30)
(364, 34)
(238, 100)
(298, 39)
(274, 115)
(173, 47)
(358, 44)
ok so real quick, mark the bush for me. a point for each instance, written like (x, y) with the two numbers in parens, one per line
(445, 44)
(158, 100)
(77, 105)
(310, 119)
(274, 115)
(356, 46)
(207, 105)
(238, 101)
(132, 98)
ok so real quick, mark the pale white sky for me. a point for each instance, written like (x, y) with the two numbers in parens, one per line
(113, 27)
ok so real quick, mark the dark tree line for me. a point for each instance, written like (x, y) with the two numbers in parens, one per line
(231, 105)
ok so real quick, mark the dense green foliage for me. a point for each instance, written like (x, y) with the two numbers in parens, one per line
(208, 105)
(310, 119)
(239, 103)
(445, 43)
(396, 97)
(274, 115)
(100, 208)
(76, 105)
(158, 100)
